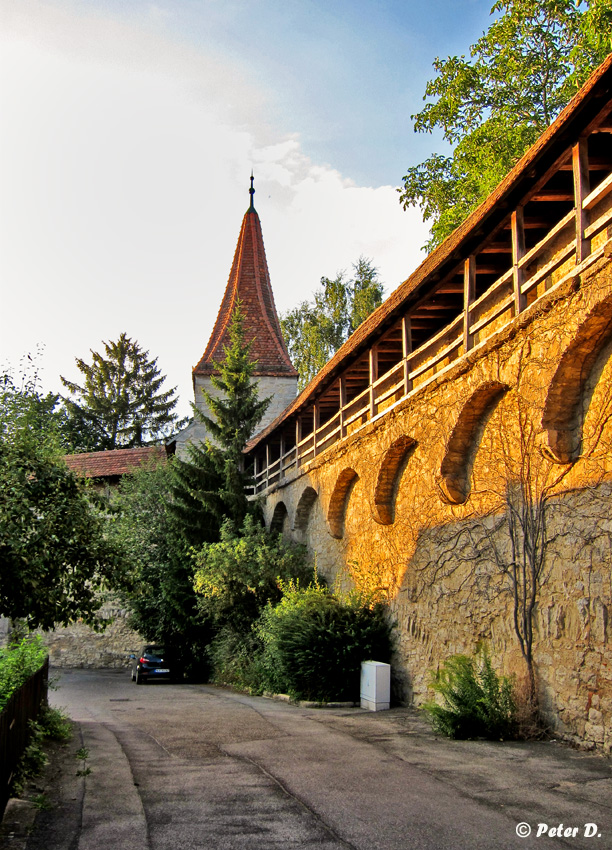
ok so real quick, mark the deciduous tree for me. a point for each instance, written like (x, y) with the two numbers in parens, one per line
(494, 104)
(316, 329)
(54, 554)
(238, 575)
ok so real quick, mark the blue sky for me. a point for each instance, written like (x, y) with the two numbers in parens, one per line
(346, 76)
(128, 135)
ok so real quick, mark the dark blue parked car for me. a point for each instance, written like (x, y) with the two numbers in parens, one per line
(152, 663)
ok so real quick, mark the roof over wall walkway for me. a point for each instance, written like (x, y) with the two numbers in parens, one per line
(547, 222)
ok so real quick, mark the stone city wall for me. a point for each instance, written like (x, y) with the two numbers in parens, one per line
(413, 505)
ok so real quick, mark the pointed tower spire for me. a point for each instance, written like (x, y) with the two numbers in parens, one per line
(252, 193)
(249, 282)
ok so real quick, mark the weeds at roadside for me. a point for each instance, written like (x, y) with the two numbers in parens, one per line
(475, 701)
(51, 725)
(42, 802)
(83, 754)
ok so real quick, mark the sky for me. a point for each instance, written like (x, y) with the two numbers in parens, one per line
(128, 131)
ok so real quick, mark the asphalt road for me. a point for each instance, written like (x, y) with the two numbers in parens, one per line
(176, 767)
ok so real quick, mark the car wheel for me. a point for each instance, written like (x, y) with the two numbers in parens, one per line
(140, 679)
(133, 678)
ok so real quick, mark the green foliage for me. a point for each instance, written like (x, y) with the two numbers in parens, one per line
(41, 802)
(82, 755)
(197, 503)
(46, 414)
(493, 105)
(211, 483)
(51, 725)
(316, 329)
(31, 762)
(54, 557)
(240, 574)
(121, 403)
(594, 40)
(77, 431)
(314, 643)
(160, 594)
(17, 663)
(236, 412)
(55, 724)
(235, 659)
(477, 702)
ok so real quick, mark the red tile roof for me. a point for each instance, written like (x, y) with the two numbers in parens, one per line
(249, 281)
(116, 462)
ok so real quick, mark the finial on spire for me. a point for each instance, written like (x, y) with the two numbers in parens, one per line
(251, 193)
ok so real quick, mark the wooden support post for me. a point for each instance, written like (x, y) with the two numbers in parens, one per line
(342, 391)
(517, 227)
(267, 465)
(298, 440)
(315, 427)
(373, 362)
(406, 352)
(281, 461)
(469, 294)
(580, 163)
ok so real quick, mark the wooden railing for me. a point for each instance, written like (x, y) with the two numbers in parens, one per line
(480, 319)
(23, 706)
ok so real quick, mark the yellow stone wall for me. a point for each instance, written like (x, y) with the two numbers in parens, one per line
(444, 597)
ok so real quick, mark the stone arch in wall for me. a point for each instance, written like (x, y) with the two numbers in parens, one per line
(389, 475)
(458, 461)
(339, 501)
(566, 404)
(304, 508)
(278, 518)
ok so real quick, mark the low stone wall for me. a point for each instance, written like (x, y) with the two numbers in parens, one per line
(79, 645)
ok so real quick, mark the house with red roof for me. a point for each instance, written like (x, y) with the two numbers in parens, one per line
(105, 469)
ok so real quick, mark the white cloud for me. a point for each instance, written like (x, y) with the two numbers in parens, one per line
(124, 177)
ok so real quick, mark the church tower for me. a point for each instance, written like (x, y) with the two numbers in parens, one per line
(249, 282)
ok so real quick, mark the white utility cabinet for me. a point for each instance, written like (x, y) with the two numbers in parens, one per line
(375, 685)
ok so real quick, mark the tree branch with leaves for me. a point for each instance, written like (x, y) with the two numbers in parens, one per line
(316, 329)
(55, 556)
(492, 105)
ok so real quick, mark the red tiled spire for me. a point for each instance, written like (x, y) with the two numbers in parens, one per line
(249, 281)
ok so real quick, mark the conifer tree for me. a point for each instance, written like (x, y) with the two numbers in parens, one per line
(121, 399)
(197, 503)
(210, 485)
